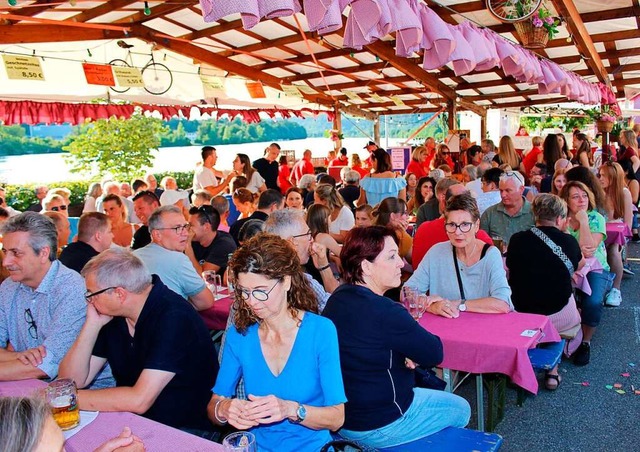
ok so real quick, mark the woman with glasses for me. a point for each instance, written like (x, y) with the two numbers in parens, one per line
(619, 210)
(382, 182)
(117, 213)
(481, 279)
(443, 157)
(425, 190)
(589, 228)
(255, 182)
(286, 353)
(55, 203)
(380, 346)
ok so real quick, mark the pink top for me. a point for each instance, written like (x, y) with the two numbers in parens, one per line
(487, 343)
(154, 435)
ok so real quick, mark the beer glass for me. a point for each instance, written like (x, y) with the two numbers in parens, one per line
(240, 442)
(213, 281)
(62, 396)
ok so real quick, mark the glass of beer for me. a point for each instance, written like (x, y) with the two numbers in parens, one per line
(62, 396)
(240, 442)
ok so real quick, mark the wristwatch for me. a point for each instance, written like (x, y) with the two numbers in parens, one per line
(301, 414)
(463, 306)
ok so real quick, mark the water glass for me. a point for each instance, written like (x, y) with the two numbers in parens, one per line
(240, 442)
(62, 397)
(213, 281)
(409, 298)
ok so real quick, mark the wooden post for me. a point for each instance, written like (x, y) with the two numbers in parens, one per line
(376, 130)
(337, 125)
(606, 151)
(453, 113)
(483, 127)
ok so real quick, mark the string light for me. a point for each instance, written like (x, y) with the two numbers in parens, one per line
(73, 2)
(147, 10)
(89, 52)
(12, 2)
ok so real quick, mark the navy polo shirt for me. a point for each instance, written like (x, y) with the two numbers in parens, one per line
(169, 336)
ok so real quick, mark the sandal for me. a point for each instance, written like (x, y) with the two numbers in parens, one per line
(551, 382)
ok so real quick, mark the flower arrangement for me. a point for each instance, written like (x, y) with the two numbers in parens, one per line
(536, 30)
(544, 19)
(334, 134)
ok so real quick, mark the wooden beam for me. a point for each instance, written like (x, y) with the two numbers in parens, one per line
(156, 12)
(353, 110)
(568, 10)
(206, 32)
(34, 33)
(348, 70)
(37, 7)
(88, 14)
(226, 64)
(304, 59)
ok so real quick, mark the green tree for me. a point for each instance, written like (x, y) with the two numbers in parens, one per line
(121, 147)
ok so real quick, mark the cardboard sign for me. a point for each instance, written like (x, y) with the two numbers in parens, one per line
(23, 67)
(98, 74)
(351, 95)
(212, 86)
(291, 90)
(399, 158)
(256, 90)
(305, 89)
(396, 100)
(128, 76)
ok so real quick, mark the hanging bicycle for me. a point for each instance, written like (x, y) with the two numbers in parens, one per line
(511, 11)
(157, 77)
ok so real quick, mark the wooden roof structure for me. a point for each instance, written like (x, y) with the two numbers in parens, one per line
(598, 40)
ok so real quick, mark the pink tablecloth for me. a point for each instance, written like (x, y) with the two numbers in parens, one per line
(580, 280)
(488, 343)
(156, 436)
(215, 318)
(617, 233)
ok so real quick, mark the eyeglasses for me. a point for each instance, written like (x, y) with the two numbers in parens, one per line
(258, 294)
(464, 227)
(177, 229)
(90, 295)
(57, 208)
(445, 152)
(302, 235)
(513, 174)
(33, 328)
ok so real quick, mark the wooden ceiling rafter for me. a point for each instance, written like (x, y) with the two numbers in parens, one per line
(100, 10)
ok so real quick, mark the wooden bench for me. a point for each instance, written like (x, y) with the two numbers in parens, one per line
(544, 357)
(447, 440)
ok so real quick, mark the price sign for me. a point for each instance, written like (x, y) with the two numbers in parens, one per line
(291, 90)
(396, 100)
(128, 76)
(378, 98)
(212, 86)
(98, 74)
(23, 67)
(256, 90)
(351, 95)
(306, 89)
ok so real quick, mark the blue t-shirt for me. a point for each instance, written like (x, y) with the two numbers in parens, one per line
(311, 376)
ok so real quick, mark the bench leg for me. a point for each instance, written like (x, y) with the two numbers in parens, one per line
(480, 402)
(522, 396)
(496, 390)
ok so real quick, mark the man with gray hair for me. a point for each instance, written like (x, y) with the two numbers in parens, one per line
(512, 214)
(160, 351)
(42, 306)
(221, 204)
(350, 191)
(41, 193)
(290, 225)
(165, 257)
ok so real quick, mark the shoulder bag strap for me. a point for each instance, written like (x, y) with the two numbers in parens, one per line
(555, 248)
(455, 262)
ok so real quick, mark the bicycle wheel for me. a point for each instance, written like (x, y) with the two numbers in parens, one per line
(120, 63)
(511, 11)
(157, 78)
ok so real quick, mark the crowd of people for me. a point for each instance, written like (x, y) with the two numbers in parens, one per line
(316, 340)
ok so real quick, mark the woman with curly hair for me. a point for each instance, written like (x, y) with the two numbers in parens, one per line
(286, 353)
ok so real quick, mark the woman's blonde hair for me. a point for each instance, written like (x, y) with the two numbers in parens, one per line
(630, 138)
(329, 194)
(507, 152)
(615, 190)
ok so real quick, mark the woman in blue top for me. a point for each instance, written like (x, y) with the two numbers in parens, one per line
(383, 182)
(380, 345)
(590, 229)
(287, 354)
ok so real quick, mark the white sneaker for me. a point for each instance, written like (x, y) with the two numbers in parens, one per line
(614, 298)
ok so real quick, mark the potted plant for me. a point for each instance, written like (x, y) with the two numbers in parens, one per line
(536, 31)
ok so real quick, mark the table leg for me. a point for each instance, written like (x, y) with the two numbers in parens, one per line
(446, 375)
(480, 402)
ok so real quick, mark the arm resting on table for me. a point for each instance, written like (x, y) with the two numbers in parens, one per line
(79, 364)
(137, 399)
(488, 305)
(15, 370)
(202, 300)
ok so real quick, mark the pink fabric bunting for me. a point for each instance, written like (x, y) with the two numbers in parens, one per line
(213, 10)
(509, 56)
(270, 9)
(324, 16)
(493, 59)
(484, 59)
(405, 21)
(437, 40)
(463, 59)
(362, 23)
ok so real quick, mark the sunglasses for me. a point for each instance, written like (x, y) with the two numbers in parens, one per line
(58, 208)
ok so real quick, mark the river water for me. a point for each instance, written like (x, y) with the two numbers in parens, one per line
(46, 168)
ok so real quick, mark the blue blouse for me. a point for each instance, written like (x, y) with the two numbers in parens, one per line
(311, 376)
(379, 188)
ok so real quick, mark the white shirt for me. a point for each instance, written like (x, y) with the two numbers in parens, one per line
(204, 177)
(343, 222)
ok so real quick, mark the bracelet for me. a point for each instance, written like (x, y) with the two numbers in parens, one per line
(215, 413)
(324, 268)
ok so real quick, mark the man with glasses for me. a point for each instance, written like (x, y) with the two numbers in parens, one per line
(165, 257)
(207, 247)
(55, 203)
(160, 351)
(512, 214)
(42, 307)
(144, 203)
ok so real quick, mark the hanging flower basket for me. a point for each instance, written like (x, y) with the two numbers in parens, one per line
(532, 37)
(604, 126)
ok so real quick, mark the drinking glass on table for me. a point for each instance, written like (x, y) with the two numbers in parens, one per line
(240, 442)
(409, 298)
(62, 396)
(212, 280)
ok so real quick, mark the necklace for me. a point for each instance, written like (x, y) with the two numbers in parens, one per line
(469, 256)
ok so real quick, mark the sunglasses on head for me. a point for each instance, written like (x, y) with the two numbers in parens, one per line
(57, 208)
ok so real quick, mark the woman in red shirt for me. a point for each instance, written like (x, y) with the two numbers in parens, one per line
(417, 163)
